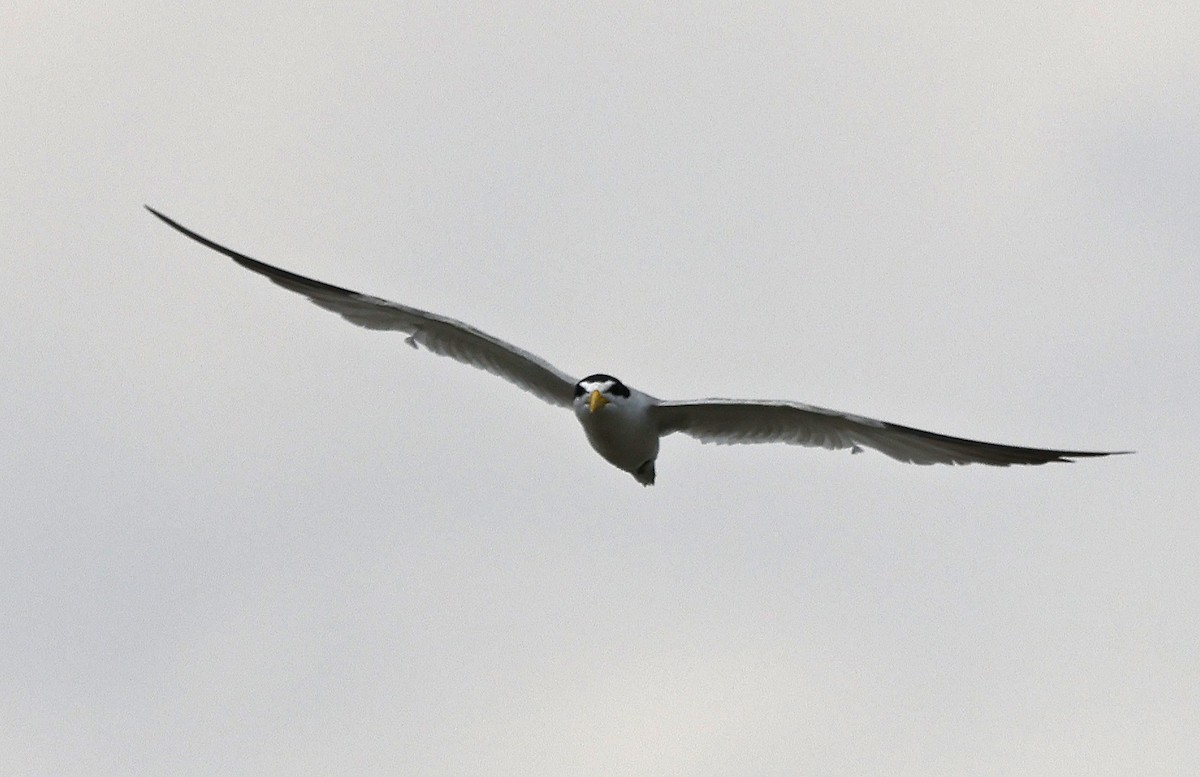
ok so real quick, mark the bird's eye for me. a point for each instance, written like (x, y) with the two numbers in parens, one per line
(618, 389)
(578, 389)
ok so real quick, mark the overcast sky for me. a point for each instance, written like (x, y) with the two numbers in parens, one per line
(243, 537)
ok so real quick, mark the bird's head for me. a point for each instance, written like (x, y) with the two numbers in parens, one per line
(596, 391)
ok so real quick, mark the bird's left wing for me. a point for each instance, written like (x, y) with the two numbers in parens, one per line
(728, 421)
(439, 334)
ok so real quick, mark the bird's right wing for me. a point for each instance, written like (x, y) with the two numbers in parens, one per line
(729, 421)
(441, 335)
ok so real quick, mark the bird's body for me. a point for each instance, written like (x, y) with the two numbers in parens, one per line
(624, 425)
(624, 430)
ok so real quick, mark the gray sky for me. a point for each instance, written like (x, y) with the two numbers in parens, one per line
(244, 537)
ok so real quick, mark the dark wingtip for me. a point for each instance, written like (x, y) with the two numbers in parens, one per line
(241, 259)
(1071, 456)
(167, 220)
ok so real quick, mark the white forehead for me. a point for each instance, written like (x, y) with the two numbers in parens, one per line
(597, 385)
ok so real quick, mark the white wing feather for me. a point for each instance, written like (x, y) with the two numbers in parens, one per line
(729, 422)
(441, 335)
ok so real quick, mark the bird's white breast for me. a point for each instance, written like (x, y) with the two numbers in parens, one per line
(623, 432)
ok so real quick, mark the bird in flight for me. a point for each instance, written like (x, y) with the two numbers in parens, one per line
(624, 425)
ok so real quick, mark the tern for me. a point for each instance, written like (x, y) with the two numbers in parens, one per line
(624, 425)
